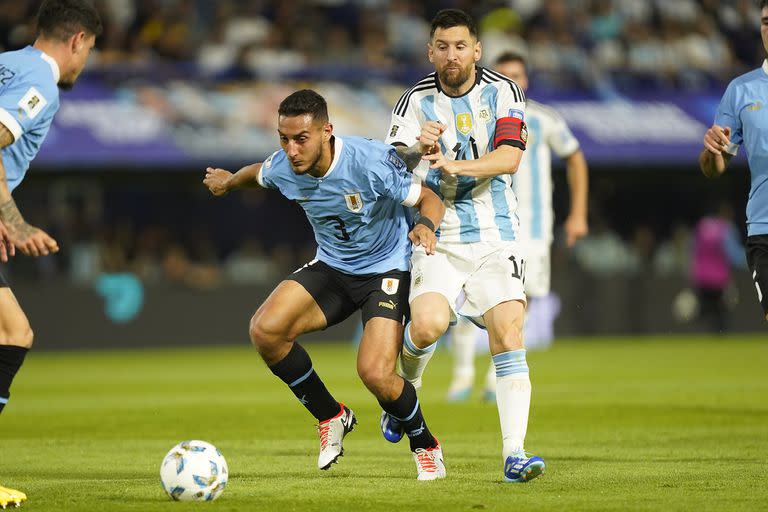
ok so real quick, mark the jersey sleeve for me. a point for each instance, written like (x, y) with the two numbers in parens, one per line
(24, 105)
(392, 179)
(404, 125)
(266, 174)
(561, 138)
(510, 116)
(728, 115)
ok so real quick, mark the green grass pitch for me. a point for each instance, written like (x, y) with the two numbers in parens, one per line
(623, 424)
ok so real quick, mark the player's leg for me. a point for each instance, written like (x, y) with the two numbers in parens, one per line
(15, 341)
(496, 288)
(757, 259)
(302, 304)
(464, 341)
(435, 285)
(376, 365)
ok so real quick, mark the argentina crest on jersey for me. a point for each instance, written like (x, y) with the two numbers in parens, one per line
(354, 202)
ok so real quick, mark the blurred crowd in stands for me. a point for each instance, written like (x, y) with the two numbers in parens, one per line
(662, 43)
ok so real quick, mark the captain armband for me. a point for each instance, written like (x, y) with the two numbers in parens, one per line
(510, 131)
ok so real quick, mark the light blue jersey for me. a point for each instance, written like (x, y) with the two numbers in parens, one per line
(744, 109)
(358, 209)
(29, 98)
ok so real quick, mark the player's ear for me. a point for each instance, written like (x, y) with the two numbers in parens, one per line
(478, 51)
(430, 53)
(327, 132)
(77, 42)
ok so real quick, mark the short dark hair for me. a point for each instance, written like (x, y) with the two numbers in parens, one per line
(763, 3)
(61, 19)
(448, 18)
(305, 101)
(514, 57)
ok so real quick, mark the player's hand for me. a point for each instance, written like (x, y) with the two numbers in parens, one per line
(717, 139)
(32, 241)
(423, 236)
(217, 181)
(576, 228)
(7, 248)
(430, 136)
(439, 161)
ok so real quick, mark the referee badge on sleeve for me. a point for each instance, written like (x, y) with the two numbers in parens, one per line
(390, 285)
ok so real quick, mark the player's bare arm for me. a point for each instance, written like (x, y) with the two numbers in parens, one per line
(575, 225)
(30, 240)
(220, 181)
(7, 248)
(714, 158)
(431, 210)
(502, 160)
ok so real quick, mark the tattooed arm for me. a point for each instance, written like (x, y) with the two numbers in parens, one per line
(28, 239)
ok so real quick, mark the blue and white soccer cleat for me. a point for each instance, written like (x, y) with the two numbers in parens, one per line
(391, 429)
(522, 469)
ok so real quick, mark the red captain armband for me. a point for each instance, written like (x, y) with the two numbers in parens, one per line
(510, 131)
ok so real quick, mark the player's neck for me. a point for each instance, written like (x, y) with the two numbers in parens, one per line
(463, 88)
(52, 49)
(321, 169)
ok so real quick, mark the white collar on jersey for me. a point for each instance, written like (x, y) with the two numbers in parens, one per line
(765, 66)
(338, 145)
(54, 65)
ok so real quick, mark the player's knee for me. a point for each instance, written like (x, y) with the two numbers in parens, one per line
(427, 328)
(512, 338)
(20, 336)
(264, 333)
(377, 378)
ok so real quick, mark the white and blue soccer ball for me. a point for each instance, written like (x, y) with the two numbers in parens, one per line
(194, 471)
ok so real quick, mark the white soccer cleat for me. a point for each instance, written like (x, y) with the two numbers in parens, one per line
(429, 462)
(332, 434)
(11, 497)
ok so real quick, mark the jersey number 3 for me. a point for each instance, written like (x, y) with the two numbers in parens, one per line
(342, 234)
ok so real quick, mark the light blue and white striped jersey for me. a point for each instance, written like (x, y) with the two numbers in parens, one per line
(29, 98)
(744, 109)
(358, 209)
(547, 133)
(477, 209)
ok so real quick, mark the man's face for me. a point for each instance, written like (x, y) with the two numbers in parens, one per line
(302, 138)
(80, 46)
(764, 27)
(454, 53)
(515, 71)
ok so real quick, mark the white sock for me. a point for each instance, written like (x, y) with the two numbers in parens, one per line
(490, 378)
(413, 360)
(513, 398)
(463, 338)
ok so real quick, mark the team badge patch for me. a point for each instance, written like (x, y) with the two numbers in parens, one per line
(513, 112)
(524, 133)
(389, 285)
(354, 202)
(393, 131)
(464, 123)
(32, 103)
(484, 114)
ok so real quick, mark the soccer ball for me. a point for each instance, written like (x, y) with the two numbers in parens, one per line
(194, 471)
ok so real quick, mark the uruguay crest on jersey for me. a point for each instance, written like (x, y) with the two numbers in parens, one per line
(354, 202)
(389, 285)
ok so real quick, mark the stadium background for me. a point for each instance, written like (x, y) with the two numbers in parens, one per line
(625, 420)
(177, 85)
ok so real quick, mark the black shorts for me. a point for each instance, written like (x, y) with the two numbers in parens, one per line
(339, 294)
(757, 258)
(3, 282)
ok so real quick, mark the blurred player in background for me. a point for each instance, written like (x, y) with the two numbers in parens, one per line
(29, 98)
(355, 192)
(547, 133)
(742, 118)
(468, 122)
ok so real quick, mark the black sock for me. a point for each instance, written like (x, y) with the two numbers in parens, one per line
(11, 358)
(407, 411)
(296, 370)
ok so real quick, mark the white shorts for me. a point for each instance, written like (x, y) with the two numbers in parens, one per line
(537, 268)
(488, 273)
